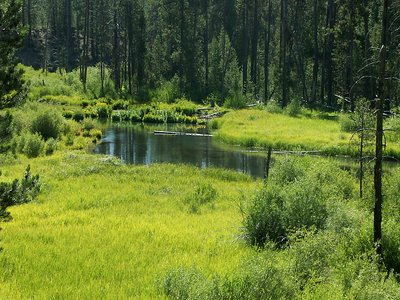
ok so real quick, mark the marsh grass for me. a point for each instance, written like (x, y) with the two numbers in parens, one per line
(104, 230)
(306, 132)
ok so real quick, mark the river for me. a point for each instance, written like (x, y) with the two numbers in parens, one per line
(138, 144)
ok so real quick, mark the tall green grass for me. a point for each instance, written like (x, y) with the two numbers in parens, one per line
(103, 230)
(307, 132)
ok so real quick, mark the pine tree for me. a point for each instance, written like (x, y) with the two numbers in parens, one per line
(11, 37)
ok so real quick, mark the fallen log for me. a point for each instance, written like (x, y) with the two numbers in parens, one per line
(159, 132)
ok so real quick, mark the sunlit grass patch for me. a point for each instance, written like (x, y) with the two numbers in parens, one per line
(259, 128)
(101, 229)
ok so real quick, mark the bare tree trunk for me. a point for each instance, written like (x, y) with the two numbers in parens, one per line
(349, 65)
(329, 51)
(117, 66)
(283, 55)
(182, 44)
(316, 54)
(254, 48)
(267, 41)
(379, 134)
(206, 42)
(245, 45)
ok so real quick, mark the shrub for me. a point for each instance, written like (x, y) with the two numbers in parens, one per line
(97, 134)
(88, 124)
(294, 108)
(78, 116)
(300, 194)
(273, 107)
(288, 169)
(185, 107)
(313, 255)
(154, 118)
(120, 105)
(347, 124)
(68, 114)
(264, 220)
(51, 146)
(203, 194)
(391, 244)
(103, 110)
(85, 103)
(236, 101)
(259, 279)
(168, 91)
(48, 124)
(18, 192)
(33, 145)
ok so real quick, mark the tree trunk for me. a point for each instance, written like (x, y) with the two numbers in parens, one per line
(283, 54)
(206, 42)
(182, 45)
(254, 48)
(329, 51)
(267, 41)
(117, 71)
(349, 65)
(379, 134)
(316, 54)
(245, 45)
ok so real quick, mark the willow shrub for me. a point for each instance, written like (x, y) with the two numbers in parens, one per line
(48, 123)
(258, 279)
(299, 195)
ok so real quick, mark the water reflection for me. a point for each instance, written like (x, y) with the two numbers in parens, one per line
(137, 144)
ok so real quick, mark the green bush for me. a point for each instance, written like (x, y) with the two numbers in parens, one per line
(273, 107)
(120, 105)
(68, 114)
(18, 192)
(103, 110)
(96, 134)
(264, 220)
(203, 194)
(48, 124)
(313, 255)
(185, 107)
(299, 194)
(236, 101)
(347, 124)
(78, 116)
(294, 108)
(259, 279)
(51, 146)
(288, 169)
(168, 91)
(33, 145)
(391, 244)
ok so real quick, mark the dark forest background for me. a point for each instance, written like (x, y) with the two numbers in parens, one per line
(322, 53)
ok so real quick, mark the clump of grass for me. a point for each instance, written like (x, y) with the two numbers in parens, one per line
(203, 194)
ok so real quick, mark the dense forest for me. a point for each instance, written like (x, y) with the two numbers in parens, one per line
(320, 53)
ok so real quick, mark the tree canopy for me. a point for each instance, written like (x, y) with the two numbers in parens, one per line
(11, 37)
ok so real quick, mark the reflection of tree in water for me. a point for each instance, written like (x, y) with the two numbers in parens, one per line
(138, 145)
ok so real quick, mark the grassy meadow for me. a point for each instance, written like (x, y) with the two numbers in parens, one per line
(309, 132)
(101, 229)
(104, 230)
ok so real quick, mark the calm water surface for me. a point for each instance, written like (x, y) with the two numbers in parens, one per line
(137, 144)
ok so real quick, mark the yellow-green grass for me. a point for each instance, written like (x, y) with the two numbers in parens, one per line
(104, 230)
(259, 128)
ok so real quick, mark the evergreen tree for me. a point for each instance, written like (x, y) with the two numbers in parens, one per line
(11, 37)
